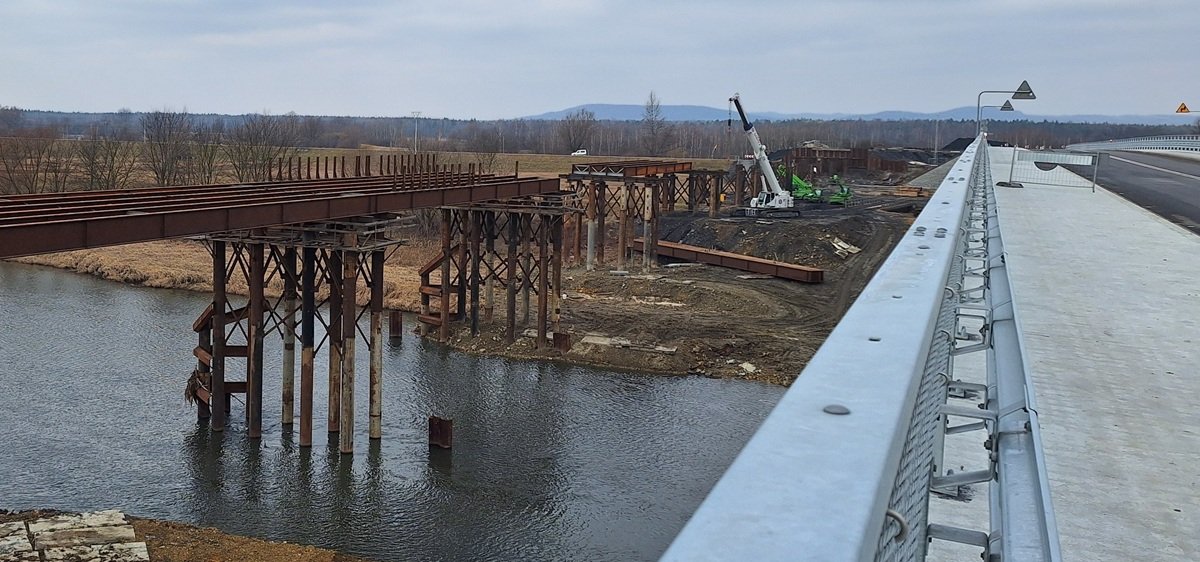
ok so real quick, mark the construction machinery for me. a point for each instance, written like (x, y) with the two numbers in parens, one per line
(801, 190)
(771, 200)
(843, 195)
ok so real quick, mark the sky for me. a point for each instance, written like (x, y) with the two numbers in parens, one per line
(507, 59)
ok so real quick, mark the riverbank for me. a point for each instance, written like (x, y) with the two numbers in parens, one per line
(168, 541)
(693, 319)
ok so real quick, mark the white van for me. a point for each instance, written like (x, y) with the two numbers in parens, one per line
(580, 152)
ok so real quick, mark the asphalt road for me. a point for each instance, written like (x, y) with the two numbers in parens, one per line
(1168, 186)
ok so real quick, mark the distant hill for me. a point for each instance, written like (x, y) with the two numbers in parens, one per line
(632, 112)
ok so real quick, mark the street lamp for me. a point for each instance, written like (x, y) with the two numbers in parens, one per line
(416, 147)
(1023, 92)
(1008, 106)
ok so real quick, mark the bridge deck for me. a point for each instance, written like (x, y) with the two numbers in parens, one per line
(1109, 297)
(35, 224)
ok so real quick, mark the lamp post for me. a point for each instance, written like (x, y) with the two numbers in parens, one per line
(1007, 106)
(416, 147)
(1023, 92)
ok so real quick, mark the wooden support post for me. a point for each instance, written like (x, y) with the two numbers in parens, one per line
(510, 284)
(333, 269)
(543, 290)
(349, 336)
(217, 385)
(444, 301)
(475, 223)
(254, 337)
(375, 429)
(308, 310)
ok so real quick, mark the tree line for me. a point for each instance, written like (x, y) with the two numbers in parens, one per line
(47, 151)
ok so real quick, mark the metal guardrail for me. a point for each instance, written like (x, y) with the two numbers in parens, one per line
(1190, 143)
(843, 466)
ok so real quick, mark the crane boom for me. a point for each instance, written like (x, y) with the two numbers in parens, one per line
(772, 196)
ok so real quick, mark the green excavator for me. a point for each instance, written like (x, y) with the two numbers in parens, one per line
(801, 190)
(843, 195)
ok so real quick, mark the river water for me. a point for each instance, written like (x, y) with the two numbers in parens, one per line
(550, 461)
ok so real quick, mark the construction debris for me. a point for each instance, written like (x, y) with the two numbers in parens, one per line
(100, 536)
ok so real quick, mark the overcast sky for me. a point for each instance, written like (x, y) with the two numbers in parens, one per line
(513, 58)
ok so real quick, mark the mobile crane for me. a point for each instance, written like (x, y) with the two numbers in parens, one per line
(772, 200)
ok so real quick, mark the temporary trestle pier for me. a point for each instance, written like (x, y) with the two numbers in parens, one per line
(291, 241)
(490, 246)
(313, 266)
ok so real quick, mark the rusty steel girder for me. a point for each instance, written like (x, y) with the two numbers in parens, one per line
(44, 223)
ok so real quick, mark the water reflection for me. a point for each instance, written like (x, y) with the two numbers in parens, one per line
(550, 461)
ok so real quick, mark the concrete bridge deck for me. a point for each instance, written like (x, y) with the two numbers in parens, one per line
(1109, 298)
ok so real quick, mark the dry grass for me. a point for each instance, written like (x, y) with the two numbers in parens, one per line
(184, 264)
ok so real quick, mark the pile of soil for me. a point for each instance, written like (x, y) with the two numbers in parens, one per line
(712, 321)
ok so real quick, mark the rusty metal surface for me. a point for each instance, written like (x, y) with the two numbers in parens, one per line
(628, 169)
(43, 223)
(801, 273)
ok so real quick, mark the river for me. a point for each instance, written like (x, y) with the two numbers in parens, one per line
(550, 461)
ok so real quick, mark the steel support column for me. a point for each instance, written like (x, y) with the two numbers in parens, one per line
(218, 398)
(349, 329)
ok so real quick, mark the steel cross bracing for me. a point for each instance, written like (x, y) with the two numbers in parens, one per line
(843, 467)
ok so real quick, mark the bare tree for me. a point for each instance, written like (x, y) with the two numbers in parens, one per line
(253, 146)
(485, 142)
(204, 152)
(1196, 126)
(167, 136)
(576, 128)
(656, 132)
(35, 162)
(106, 162)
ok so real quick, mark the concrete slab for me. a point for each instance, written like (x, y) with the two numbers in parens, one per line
(1108, 296)
(14, 543)
(119, 552)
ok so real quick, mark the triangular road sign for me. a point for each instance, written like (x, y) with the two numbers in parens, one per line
(1183, 109)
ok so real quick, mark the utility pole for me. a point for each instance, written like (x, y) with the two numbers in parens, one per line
(416, 115)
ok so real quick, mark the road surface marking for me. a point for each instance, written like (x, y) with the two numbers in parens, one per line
(1154, 167)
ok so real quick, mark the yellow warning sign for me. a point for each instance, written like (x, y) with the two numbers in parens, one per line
(1183, 109)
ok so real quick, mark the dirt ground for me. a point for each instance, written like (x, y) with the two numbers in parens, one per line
(176, 542)
(712, 321)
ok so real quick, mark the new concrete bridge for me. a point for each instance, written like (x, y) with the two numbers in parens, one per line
(1019, 379)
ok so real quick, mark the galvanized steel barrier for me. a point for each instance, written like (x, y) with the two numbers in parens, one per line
(843, 466)
(1189, 143)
